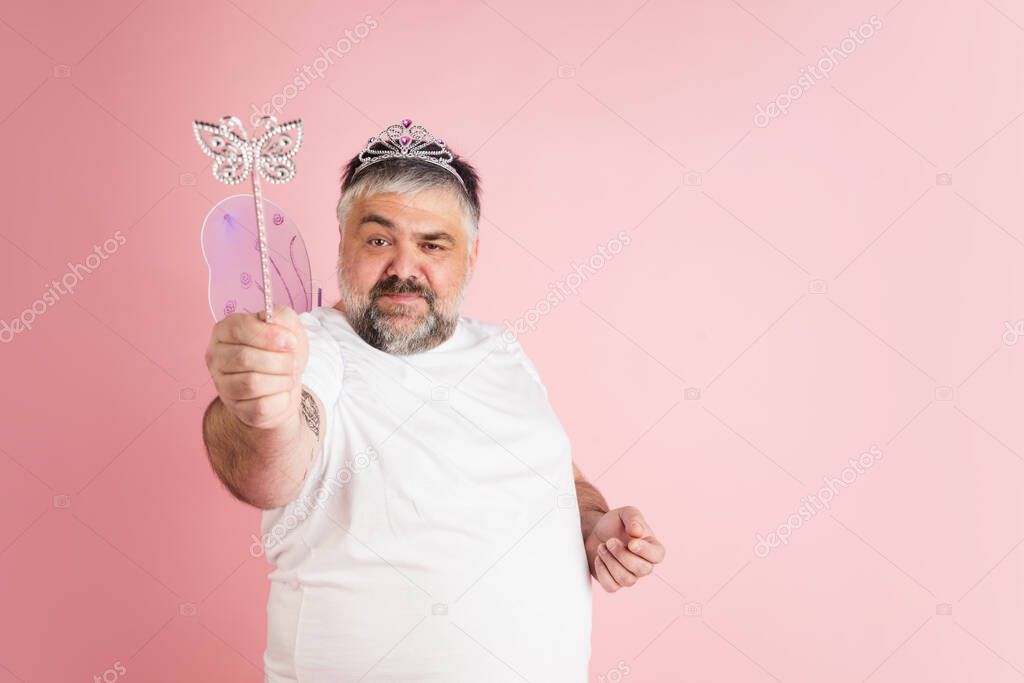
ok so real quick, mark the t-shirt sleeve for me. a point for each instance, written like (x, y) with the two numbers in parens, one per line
(323, 373)
(520, 354)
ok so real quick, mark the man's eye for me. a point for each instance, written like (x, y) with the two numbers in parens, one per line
(377, 239)
(431, 244)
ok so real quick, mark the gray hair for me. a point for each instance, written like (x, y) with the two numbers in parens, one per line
(411, 176)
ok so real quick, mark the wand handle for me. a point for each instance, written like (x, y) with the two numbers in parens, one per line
(257, 194)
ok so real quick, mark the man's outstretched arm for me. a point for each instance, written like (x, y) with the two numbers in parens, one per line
(621, 547)
(262, 467)
(263, 430)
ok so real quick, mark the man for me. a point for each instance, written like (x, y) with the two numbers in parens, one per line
(421, 506)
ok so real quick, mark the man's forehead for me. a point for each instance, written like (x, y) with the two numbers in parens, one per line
(428, 210)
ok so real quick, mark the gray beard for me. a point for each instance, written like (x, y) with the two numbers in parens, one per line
(376, 327)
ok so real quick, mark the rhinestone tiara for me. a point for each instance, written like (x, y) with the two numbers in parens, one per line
(404, 140)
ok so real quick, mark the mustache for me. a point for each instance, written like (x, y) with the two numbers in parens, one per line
(393, 285)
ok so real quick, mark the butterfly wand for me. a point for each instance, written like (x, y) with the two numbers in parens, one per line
(236, 155)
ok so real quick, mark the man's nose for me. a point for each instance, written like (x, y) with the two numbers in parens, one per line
(405, 264)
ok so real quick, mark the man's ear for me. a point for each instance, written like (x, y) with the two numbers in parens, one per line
(472, 257)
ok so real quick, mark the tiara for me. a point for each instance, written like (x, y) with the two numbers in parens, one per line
(405, 140)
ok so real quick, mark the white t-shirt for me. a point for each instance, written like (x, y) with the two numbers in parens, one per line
(437, 535)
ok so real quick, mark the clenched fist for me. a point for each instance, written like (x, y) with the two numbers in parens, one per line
(257, 367)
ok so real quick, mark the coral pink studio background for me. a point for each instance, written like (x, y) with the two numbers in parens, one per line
(849, 275)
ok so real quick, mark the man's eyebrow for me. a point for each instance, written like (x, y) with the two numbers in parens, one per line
(440, 235)
(376, 218)
(437, 235)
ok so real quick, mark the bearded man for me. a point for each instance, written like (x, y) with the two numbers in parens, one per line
(421, 507)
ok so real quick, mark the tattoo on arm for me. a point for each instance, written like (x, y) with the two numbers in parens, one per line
(310, 413)
(311, 416)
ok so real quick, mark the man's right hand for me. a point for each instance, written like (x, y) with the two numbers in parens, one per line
(257, 367)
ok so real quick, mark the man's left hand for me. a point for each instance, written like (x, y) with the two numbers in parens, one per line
(622, 548)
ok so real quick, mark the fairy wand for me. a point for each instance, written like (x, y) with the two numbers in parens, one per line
(235, 153)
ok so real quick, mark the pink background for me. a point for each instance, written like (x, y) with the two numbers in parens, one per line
(792, 295)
